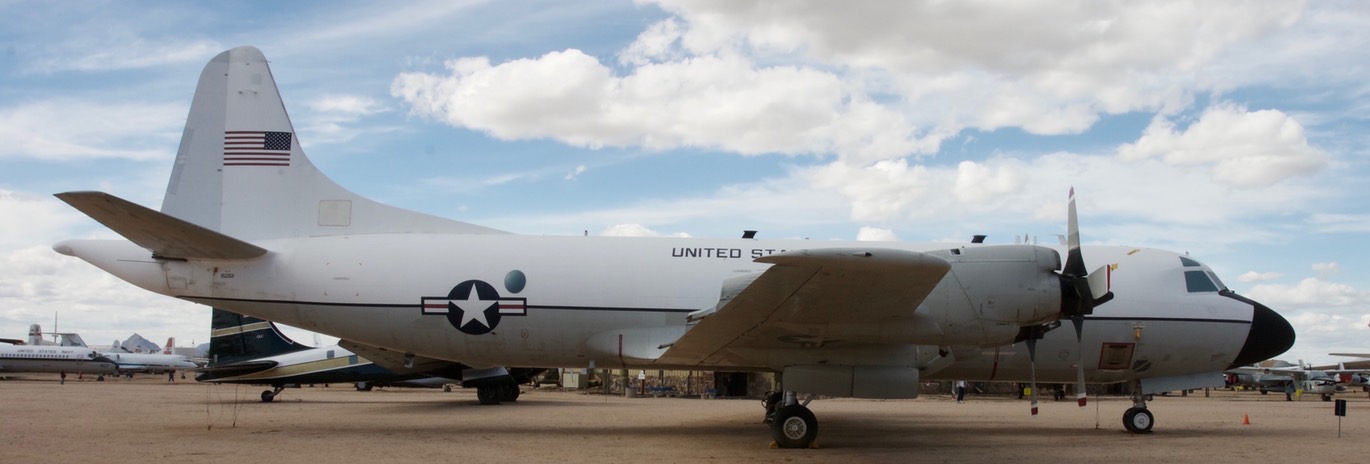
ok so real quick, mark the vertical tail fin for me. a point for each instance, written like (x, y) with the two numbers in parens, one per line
(235, 338)
(240, 169)
(170, 346)
(71, 339)
(35, 334)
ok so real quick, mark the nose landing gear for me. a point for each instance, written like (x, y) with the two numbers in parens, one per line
(1138, 419)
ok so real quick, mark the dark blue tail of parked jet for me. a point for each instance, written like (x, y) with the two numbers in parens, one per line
(236, 338)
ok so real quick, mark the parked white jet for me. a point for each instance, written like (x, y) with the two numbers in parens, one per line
(151, 363)
(249, 224)
(1279, 375)
(54, 359)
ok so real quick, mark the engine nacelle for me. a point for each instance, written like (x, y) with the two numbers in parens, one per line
(992, 292)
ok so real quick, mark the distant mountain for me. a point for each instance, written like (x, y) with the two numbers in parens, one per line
(137, 344)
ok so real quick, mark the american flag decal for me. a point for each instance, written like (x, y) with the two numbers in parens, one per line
(257, 148)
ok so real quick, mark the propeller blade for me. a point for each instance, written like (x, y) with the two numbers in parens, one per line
(1075, 261)
(1032, 359)
(1080, 394)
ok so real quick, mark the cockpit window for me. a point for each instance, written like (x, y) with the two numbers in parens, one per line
(1189, 262)
(1198, 282)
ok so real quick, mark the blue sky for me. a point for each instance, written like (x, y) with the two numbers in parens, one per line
(1234, 131)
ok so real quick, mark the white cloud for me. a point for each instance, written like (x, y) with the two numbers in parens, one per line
(121, 53)
(657, 43)
(1309, 292)
(335, 118)
(722, 102)
(68, 129)
(1253, 276)
(32, 219)
(580, 169)
(1243, 148)
(977, 183)
(636, 230)
(875, 234)
(1046, 67)
(1326, 270)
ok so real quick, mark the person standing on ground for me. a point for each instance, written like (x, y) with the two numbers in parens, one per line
(960, 391)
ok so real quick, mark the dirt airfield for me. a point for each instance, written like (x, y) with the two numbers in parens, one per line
(150, 420)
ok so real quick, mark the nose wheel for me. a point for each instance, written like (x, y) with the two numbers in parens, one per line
(1137, 419)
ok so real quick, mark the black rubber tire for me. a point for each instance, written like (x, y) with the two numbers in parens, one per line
(509, 393)
(447, 389)
(488, 394)
(364, 386)
(267, 396)
(1138, 420)
(794, 426)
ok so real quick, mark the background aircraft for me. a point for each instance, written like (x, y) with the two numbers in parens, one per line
(1278, 375)
(15, 358)
(245, 349)
(147, 363)
(249, 224)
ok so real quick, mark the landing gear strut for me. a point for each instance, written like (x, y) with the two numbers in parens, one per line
(1138, 419)
(792, 424)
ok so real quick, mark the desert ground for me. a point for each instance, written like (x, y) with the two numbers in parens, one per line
(150, 420)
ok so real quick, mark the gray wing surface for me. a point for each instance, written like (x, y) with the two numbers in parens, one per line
(395, 360)
(806, 294)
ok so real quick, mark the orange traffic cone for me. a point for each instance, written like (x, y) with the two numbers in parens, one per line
(1246, 420)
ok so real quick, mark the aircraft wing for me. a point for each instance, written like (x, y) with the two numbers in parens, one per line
(163, 234)
(806, 292)
(1294, 372)
(395, 361)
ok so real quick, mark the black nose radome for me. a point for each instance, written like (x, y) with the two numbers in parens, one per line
(1270, 336)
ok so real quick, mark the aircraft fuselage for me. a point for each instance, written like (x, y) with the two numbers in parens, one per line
(610, 301)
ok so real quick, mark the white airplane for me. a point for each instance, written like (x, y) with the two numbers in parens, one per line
(151, 363)
(16, 358)
(1277, 377)
(248, 350)
(250, 225)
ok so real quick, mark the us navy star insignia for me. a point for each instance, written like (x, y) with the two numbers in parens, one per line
(474, 307)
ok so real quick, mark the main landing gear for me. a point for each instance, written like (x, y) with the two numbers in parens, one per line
(270, 395)
(792, 424)
(498, 392)
(1138, 419)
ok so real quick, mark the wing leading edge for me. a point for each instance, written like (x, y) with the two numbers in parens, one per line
(805, 296)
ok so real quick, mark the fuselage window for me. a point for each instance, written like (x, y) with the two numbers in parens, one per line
(1198, 282)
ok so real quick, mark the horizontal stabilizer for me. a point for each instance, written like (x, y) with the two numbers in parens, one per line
(164, 235)
(237, 369)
